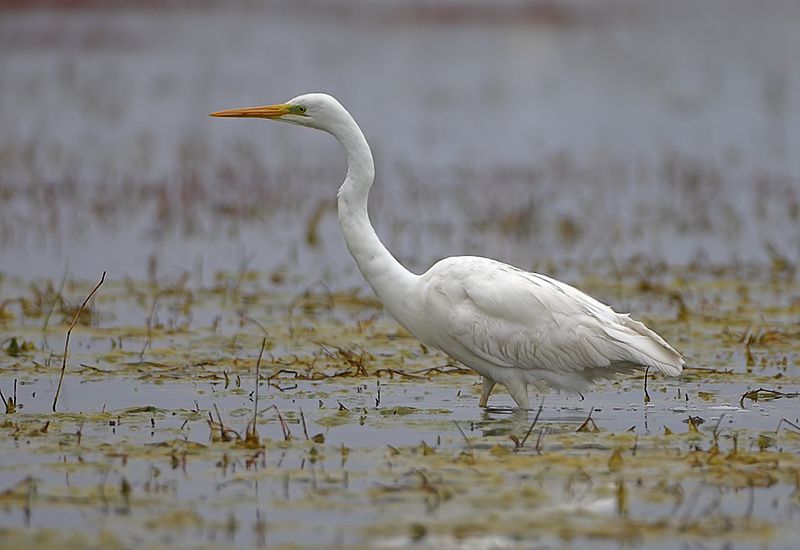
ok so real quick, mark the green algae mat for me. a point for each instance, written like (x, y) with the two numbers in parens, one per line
(356, 436)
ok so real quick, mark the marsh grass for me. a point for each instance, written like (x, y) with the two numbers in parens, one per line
(351, 422)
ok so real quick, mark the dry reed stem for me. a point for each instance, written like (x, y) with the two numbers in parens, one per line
(258, 378)
(533, 424)
(69, 332)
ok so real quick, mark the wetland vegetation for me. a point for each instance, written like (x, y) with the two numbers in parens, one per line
(362, 437)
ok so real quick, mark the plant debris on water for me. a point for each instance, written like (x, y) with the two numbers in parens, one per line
(357, 435)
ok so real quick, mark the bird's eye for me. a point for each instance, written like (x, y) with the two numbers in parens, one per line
(300, 109)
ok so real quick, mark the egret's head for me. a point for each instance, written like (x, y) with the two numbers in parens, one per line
(319, 111)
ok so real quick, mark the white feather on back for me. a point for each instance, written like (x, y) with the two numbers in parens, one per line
(489, 313)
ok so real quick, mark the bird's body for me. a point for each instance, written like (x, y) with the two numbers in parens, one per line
(518, 328)
(513, 327)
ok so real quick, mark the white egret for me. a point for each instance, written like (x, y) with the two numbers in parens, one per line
(513, 327)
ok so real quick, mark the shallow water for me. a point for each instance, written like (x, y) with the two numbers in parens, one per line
(365, 439)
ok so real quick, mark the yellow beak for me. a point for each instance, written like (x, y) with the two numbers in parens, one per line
(267, 111)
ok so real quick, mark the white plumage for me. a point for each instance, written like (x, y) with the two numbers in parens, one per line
(518, 328)
(513, 327)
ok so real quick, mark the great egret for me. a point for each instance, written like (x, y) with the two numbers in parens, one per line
(513, 327)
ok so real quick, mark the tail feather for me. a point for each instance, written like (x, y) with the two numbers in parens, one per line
(646, 347)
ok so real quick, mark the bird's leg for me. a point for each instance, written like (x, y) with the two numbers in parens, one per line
(519, 393)
(488, 386)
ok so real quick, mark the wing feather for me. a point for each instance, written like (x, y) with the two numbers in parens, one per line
(512, 318)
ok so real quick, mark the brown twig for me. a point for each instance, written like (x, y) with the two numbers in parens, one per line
(765, 394)
(283, 371)
(469, 443)
(10, 403)
(444, 369)
(223, 430)
(219, 416)
(535, 420)
(258, 371)
(251, 437)
(284, 427)
(392, 372)
(589, 424)
(784, 421)
(303, 420)
(66, 342)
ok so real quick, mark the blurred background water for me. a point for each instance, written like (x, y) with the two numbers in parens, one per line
(532, 132)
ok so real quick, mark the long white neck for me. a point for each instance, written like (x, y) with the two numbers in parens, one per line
(391, 281)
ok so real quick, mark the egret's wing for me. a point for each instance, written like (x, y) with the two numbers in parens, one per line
(512, 318)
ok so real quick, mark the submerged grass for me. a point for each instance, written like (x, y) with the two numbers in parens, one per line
(261, 418)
